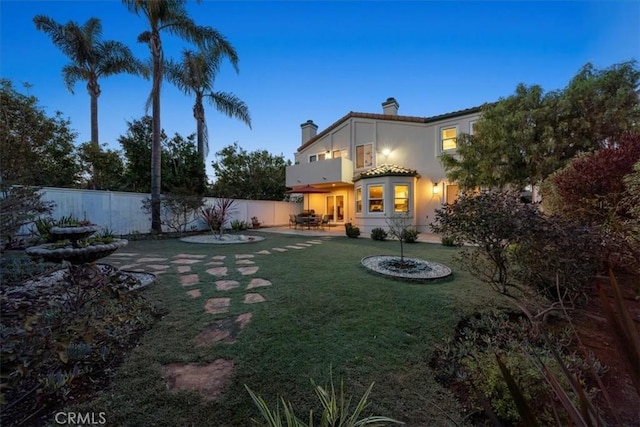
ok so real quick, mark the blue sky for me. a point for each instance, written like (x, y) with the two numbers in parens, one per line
(318, 60)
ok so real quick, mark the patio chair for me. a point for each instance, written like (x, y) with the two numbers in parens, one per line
(300, 221)
(292, 220)
(324, 222)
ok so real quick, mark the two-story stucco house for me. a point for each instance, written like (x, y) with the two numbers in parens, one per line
(378, 165)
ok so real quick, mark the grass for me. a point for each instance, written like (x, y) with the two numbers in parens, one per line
(322, 310)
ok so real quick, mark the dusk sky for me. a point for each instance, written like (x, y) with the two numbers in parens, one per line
(318, 60)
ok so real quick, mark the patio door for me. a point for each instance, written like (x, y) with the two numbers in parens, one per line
(334, 207)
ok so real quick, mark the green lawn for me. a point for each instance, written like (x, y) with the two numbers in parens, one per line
(323, 310)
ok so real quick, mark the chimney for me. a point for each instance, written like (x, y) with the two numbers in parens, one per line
(390, 107)
(309, 130)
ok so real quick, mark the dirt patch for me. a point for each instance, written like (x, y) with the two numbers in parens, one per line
(207, 380)
(224, 330)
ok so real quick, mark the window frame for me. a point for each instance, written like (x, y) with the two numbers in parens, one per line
(443, 139)
(358, 200)
(379, 200)
(364, 156)
(407, 199)
(313, 158)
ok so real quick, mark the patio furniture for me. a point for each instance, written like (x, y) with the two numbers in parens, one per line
(325, 221)
(308, 221)
(292, 220)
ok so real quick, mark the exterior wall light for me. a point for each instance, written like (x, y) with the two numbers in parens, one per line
(436, 188)
(386, 152)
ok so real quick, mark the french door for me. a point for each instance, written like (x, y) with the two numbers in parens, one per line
(334, 207)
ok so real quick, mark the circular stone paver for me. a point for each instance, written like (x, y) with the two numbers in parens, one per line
(424, 271)
(225, 239)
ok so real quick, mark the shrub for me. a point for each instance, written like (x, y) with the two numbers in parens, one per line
(336, 410)
(518, 250)
(19, 206)
(239, 225)
(216, 215)
(450, 241)
(410, 235)
(469, 360)
(54, 339)
(378, 234)
(351, 231)
(178, 209)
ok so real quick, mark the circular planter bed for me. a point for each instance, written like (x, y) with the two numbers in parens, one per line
(223, 239)
(411, 269)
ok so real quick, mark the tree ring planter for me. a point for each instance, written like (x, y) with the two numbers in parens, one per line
(413, 269)
(74, 255)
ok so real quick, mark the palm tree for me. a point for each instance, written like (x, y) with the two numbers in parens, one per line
(169, 16)
(91, 58)
(196, 75)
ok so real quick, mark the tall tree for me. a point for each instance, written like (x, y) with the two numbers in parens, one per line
(169, 16)
(196, 74)
(91, 58)
(257, 175)
(182, 166)
(35, 149)
(524, 138)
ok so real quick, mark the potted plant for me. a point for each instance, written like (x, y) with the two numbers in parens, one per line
(255, 222)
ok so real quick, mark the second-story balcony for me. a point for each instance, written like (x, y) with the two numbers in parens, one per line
(328, 171)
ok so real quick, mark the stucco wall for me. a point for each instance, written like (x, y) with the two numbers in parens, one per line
(121, 212)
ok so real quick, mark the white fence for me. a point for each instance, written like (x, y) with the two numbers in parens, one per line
(121, 212)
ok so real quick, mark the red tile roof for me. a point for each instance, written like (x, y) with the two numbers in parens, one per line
(386, 170)
(390, 117)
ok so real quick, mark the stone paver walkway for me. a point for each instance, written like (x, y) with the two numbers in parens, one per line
(211, 378)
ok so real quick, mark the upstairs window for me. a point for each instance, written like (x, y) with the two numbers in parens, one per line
(339, 153)
(364, 156)
(448, 138)
(322, 156)
(376, 198)
(313, 158)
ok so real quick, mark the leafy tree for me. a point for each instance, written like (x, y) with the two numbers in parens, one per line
(185, 172)
(91, 58)
(103, 167)
(170, 17)
(196, 75)
(19, 206)
(182, 166)
(257, 175)
(36, 149)
(525, 137)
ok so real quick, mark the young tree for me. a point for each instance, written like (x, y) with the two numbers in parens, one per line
(257, 175)
(196, 75)
(91, 58)
(35, 149)
(170, 17)
(522, 139)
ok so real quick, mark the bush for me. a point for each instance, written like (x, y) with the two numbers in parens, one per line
(469, 360)
(351, 231)
(518, 250)
(19, 206)
(450, 241)
(410, 235)
(57, 338)
(178, 209)
(239, 225)
(378, 234)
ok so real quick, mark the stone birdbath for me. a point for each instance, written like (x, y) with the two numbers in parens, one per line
(73, 244)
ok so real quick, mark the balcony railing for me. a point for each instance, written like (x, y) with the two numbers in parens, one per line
(328, 171)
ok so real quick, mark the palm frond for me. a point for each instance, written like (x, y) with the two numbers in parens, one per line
(230, 105)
